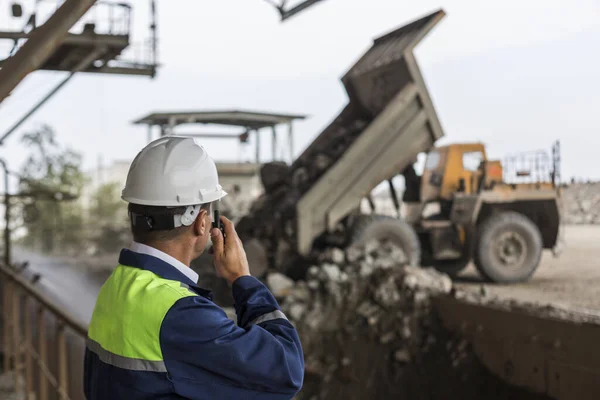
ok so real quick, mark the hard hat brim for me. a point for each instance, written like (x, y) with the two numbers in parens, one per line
(174, 203)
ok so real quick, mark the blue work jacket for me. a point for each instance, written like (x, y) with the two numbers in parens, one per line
(155, 334)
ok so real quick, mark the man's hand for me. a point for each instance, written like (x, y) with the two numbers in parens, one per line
(229, 255)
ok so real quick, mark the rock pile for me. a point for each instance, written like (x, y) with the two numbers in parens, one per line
(369, 331)
(581, 203)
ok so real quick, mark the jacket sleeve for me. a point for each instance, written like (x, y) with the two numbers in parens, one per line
(200, 344)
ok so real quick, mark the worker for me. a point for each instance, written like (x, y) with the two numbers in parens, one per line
(154, 333)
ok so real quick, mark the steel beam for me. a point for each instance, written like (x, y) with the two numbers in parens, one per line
(212, 135)
(80, 67)
(76, 39)
(42, 42)
(285, 14)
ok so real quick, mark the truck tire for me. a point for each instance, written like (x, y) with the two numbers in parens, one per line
(509, 248)
(256, 254)
(379, 227)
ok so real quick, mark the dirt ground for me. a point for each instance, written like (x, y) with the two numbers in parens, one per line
(571, 280)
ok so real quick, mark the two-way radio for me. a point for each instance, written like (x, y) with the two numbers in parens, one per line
(217, 219)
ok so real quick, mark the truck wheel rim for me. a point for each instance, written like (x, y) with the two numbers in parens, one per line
(511, 249)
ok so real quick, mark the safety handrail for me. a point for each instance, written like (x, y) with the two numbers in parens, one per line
(78, 326)
(20, 299)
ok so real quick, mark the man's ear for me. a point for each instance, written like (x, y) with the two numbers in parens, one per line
(201, 223)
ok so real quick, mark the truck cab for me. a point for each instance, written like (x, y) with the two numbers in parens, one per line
(451, 169)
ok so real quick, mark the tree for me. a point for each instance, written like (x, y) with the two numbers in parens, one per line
(50, 174)
(106, 205)
(108, 214)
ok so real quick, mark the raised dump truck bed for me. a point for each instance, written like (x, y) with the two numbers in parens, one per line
(389, 120)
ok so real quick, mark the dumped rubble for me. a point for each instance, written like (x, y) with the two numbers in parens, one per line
(279, 284)
(369, 331)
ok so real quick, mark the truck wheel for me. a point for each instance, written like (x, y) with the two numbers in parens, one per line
(509, 248)
(379, 227)
(256, 255)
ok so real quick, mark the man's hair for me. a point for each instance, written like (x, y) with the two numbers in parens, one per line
(142, 235)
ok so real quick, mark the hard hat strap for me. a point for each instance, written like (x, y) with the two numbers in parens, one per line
(152, 222)
(165, 222)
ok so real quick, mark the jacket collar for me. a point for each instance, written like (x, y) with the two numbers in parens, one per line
(160, 268)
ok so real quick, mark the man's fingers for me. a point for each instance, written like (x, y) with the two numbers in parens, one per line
(229, 228)
(217, 240)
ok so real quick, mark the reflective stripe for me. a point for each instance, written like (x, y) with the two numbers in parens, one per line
(268, 317)
(132, 364)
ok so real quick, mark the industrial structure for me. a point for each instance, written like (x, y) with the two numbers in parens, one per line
(250, 123)
(98, 43)
(65, 40)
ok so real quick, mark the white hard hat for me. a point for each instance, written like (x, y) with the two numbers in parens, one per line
(172, 171)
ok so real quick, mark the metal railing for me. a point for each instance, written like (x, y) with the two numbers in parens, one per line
(533, 167)
(108, 17)
(528, 167)
(35, 344)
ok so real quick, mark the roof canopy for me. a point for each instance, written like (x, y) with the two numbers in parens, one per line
(247, 119)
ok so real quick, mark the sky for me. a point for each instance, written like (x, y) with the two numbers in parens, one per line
(513, 74)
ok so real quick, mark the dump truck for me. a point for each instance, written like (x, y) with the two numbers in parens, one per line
(498, 214)
(389, 120)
